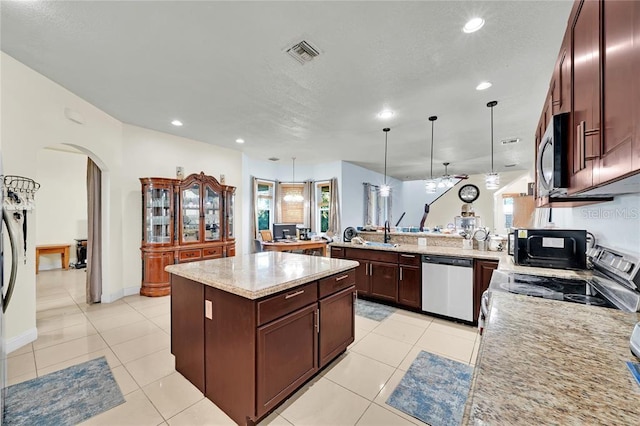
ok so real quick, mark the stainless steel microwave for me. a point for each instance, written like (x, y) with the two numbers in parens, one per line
(552, 163)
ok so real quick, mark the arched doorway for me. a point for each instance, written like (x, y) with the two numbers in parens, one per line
(64, 215)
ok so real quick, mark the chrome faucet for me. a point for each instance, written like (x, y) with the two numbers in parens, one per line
(387, 232)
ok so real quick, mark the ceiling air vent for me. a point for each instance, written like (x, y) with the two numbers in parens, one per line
(510, 141)
(303, 52)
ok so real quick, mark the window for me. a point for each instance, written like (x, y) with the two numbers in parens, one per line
(324, 204)
(507, 209)
(264, 204)
(292, 211)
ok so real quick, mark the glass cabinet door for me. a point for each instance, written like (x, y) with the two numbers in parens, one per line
(230, 223)
(190, 214)
(157, 215)
(212, 214)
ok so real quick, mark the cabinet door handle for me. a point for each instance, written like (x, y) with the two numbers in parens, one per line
(342, 277)
(581, 145)
(297, 293)
(401, 273)
(317, 320)
(410, 256)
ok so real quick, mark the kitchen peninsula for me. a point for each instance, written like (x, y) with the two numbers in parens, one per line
(249, 330)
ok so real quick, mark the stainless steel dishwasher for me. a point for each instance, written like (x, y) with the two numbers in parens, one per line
(447, 286)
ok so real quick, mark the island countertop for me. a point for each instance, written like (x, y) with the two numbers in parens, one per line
(260, 274)
(552, 362)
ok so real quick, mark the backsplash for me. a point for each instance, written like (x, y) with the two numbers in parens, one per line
(615, 224)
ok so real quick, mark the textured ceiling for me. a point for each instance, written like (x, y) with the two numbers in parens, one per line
(220, 67)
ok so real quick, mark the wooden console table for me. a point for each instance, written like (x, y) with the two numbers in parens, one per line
(296, 245)
(61, 249)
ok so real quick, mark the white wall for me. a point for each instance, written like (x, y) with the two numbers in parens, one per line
(615, 224)
(353, 194)
(445, 208)
(415, 197)
(155, 154)
(33, 117)
(62, 201)
(518, 186)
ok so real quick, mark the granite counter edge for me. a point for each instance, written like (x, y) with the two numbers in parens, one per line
(258, 294)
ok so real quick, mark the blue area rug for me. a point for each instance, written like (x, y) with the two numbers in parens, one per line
(434, 390)
(65, 397)
(373, 311)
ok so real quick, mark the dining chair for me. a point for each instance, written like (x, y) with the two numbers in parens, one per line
(257, 246)
(266, 235)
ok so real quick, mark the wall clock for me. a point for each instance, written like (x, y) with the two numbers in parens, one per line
(469, 193)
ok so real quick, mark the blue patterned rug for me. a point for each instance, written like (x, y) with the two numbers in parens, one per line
(434, 390)
(65, 397)
(373, 311)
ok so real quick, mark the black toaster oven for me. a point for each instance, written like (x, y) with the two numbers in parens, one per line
(550, 248)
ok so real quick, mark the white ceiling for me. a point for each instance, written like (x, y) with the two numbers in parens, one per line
(220, 67)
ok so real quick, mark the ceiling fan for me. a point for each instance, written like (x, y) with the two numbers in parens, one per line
(446, 174)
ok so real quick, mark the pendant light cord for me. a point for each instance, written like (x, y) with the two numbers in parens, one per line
(386, 134)
(491, 139)
(294, 169)
(432, 119)
(491, 105)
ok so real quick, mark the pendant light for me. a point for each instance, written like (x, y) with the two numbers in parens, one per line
(431, 184)
(492, 179)
(293, 198)
(384, 189)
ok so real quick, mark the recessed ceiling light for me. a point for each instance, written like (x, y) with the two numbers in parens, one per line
(177, 123)
(483, 86)
(473, 25)
(385, 114)
(239, 140)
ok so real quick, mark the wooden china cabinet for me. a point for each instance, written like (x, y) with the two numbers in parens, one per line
(183, 221)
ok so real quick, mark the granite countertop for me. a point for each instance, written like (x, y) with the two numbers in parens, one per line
(552, 362)
(505, 262)
(260, 274)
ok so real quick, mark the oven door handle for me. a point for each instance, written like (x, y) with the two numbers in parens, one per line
(484, 303)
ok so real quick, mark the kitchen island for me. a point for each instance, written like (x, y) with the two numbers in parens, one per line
(550, 362)
(249, 330)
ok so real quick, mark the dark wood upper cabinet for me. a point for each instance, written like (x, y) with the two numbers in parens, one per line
(635, 88)
(618, 22)
(585, 92)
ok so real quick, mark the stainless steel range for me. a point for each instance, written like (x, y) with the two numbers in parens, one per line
(614, 284)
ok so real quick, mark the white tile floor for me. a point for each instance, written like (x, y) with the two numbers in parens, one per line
(134, 336)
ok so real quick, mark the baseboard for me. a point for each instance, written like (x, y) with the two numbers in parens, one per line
(129, 291)
(19, 341)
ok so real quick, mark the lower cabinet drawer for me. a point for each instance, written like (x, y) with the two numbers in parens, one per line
(409, 259)
(330, 285)
(212, 252)
(189, 255)
(284, 303)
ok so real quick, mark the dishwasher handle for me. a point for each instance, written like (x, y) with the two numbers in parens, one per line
(445, 260)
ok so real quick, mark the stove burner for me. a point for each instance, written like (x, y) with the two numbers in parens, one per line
(586, 300)
(529, 290)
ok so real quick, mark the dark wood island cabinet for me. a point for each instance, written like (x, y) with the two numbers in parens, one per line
(249, 331)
